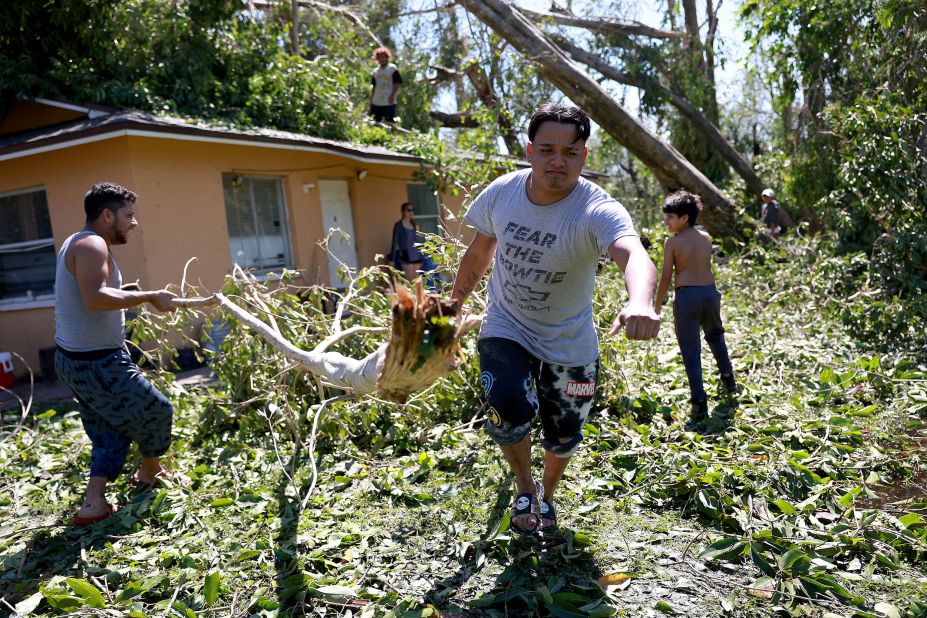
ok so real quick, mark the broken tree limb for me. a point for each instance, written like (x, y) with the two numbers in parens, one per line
(487, 95)
(423, 344)
(444, 74)
(702, 124)
(604, 24)
(670, 168)
(456, 120)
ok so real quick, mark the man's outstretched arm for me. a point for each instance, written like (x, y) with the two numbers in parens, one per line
(473, 266)
(91, 269)
(638, 317)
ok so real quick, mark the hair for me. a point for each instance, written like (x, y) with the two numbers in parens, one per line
(683, 203)
(554, 112)
(402, 209)
(383, 50)
(106, 196)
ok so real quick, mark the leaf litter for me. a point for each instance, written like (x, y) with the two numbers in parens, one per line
(799, 499)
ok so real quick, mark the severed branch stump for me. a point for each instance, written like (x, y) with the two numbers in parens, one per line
(423, 344)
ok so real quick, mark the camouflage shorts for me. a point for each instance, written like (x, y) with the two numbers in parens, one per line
(520, 386)
(118, 406)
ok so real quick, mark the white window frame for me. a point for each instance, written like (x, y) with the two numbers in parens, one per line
(28, 300)
(268, 272)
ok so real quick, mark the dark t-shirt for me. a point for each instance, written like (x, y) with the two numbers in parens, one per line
(771, 213)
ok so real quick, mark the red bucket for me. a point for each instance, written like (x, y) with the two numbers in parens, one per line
(6, 370)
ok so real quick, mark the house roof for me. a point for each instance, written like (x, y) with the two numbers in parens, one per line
(103, 123)
(128, 122)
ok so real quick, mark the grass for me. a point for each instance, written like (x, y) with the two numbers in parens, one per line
(803, 499)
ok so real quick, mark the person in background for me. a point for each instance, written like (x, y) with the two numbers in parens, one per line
(405, 254)
(771, 212)
(118, 405)
(385, 83)
(698, 302)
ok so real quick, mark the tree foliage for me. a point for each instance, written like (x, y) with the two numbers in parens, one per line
(856, 150)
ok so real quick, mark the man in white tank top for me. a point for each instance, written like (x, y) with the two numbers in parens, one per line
(118, 405)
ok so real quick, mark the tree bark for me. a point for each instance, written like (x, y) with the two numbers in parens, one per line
(671, 169)
(706, 127)
(485, 93)
(456, 120)
(604, 25)
(294, 22)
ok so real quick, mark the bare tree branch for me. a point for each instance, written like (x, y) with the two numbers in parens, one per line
(486, 94)
(444, 74)
(604, 24)
(456, 120)
(396, 369)
(702, 123)
(670, 168)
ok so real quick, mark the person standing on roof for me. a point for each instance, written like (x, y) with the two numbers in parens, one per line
(385, 83)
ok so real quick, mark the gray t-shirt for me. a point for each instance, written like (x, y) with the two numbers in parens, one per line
(540, 290)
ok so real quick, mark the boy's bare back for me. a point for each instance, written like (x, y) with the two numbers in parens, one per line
(690, 252)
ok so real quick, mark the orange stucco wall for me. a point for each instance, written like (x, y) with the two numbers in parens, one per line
(181, 211)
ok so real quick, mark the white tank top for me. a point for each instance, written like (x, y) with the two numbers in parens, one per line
(78, 329)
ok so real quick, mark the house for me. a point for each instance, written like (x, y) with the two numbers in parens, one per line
(262, 199)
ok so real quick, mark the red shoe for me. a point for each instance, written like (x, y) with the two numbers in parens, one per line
(86, 521)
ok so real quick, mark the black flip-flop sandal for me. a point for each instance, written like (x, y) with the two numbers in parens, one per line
(526, 504)
(548, 515)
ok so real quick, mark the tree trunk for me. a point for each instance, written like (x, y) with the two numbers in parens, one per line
(671, 169)
(456, 120)
(706, 127)
(294, 23)
(486, 94)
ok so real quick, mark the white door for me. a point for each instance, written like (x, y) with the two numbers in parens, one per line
(337, 216)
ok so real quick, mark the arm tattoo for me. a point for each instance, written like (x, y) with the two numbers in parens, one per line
(466, 287)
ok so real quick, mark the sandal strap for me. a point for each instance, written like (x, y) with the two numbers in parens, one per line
(526, 504)
(550, 508)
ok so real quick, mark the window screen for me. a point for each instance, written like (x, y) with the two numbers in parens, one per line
(27, 249)
(256, 216)
(426, 207)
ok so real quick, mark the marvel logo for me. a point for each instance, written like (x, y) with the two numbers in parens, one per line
(580, 389)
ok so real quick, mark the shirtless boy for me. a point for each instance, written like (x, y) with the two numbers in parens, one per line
(698, 302)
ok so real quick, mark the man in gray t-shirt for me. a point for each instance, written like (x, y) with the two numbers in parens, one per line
(546, 228)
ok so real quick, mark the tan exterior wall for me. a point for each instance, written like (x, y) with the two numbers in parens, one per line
(181, 211)
(65, 175)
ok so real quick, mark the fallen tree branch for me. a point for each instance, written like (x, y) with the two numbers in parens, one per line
(456, 120)
(603, 24)
(423, 344)
(702, 124)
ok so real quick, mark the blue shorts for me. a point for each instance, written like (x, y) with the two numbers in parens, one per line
(519, 386)
(118, 406)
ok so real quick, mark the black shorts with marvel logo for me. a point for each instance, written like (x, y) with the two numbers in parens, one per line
(520, 386)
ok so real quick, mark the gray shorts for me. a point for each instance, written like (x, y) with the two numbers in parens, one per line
(519, 386)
